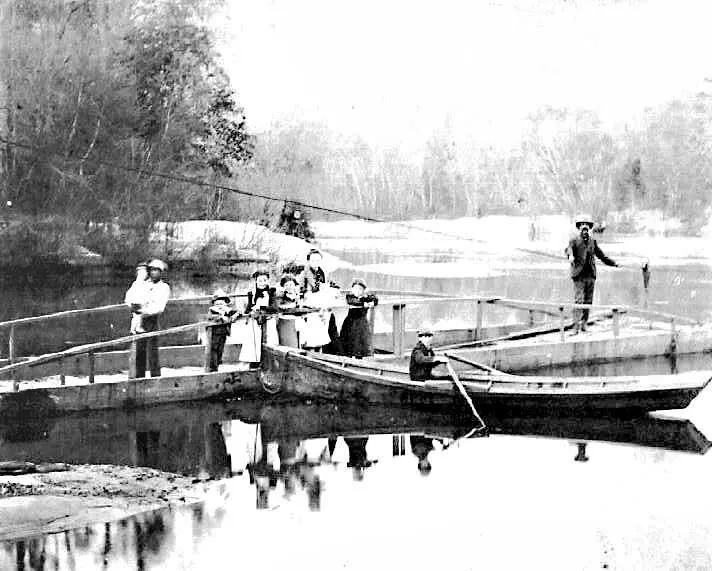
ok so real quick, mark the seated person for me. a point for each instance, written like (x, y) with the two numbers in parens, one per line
(423, 359)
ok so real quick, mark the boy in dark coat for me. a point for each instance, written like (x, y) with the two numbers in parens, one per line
(582, 252)
(220, 312)
(355, 331)
(423, 359)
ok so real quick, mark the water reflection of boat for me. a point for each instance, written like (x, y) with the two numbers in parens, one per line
(191, 439)
(342, 379)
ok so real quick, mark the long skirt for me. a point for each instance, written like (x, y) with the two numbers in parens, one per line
(246, 332)
(356, 336)
(315, 332)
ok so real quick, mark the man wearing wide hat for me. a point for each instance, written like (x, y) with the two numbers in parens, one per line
(582, 252)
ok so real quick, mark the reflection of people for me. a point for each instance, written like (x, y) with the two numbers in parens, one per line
(355, 331)
(220, 313)
(358, 457)
(581, 455)
(157, 294)
(421, 446)
(582, 252)
(423, 359)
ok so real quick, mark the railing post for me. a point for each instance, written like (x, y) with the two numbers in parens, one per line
(531, 318)
(398, 328)
(206, 349)
(562, 323)
(132, 360)
(62, 371)
(371, 315)
(90, 358)
(11, 345)
(616, 323)
(479, 310)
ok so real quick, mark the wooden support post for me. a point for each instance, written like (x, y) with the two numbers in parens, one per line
(63, 371)
(90, 358)
(371, 315)
(479, 310)
(562, 324)
(206, 349)
(11, 345)
(531, 318)
(15, 385)
(132, 360)
(263, 341)
(673, 331)
(616, 323)
(398, 329)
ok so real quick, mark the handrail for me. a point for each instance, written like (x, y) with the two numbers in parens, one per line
(549, 305)
(93, 347)
(88, 310)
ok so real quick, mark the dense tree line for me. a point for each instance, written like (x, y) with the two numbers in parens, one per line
(91, 86)
(101, 93)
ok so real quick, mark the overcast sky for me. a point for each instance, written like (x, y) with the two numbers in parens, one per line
(394, 70)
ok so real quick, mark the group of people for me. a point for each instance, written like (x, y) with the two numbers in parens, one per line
(297, 312)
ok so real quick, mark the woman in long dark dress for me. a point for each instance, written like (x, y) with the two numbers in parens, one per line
(355, 331)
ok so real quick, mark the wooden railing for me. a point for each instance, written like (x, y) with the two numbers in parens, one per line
(12, 324)
(551, 309)
(91, 349)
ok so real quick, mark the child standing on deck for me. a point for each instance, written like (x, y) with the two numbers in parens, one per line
(136, 296)
(221, 313)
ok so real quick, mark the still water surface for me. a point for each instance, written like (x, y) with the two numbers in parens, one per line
(287, 496)
(324, 487)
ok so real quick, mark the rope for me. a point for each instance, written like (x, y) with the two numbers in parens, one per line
(216, 186)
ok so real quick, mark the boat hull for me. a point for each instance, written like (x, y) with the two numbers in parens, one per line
(299, 374)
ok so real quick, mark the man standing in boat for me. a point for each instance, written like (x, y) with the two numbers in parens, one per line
(156, 297)
(423, 359)
(582, 252)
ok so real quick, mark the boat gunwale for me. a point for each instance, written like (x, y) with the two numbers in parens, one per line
(495, 384)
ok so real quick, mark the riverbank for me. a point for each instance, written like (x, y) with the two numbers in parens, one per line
(37, 503)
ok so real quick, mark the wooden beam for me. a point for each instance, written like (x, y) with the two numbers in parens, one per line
(11, 351)
(207, 350)
(398, 328)
(90, 358)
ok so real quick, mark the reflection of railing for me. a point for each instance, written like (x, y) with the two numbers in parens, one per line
(13, 323)
(91, 349)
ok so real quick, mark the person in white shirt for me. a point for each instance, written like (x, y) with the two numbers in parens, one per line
(156, 297)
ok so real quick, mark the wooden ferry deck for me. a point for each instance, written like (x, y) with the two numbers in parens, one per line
(100, 375)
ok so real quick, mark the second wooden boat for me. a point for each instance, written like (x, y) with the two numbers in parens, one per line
(290, 371)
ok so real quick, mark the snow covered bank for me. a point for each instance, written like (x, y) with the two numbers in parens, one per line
(224, 239)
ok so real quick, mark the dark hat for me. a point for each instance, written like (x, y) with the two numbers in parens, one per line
(142, 264)
(220, 294)
(425, 332)
(312, 252)
(260, 273)
(359, 281)
(286, 279)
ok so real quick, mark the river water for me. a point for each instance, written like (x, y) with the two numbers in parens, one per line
(284, 495)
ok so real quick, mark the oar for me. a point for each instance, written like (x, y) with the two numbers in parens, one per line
(474, 364)
(456, 381)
